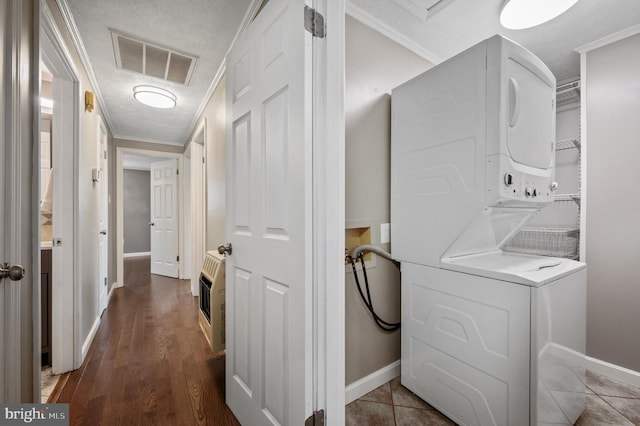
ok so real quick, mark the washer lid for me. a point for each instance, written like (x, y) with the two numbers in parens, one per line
(518, 268)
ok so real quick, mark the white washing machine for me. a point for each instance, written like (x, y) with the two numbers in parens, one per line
(488, 338)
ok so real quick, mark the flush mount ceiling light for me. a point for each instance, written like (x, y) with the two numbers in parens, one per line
(521, 14)
(154, 96)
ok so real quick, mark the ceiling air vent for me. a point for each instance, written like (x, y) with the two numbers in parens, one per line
(152, 60)
(567, 93)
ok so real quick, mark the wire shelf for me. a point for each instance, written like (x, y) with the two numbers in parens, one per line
(568, 197)
(556, 242)
(568, 144)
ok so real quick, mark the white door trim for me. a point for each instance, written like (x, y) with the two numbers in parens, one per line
(103, 185)
(119, 240)
(329, 207)
(198, 208)
(66, 259)
(185, 200)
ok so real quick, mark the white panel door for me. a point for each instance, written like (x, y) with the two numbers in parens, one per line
(19, 185)
(164, 218)
(103, 221)
(268, 219)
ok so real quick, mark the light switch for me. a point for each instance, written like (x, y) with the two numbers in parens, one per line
(385, 233)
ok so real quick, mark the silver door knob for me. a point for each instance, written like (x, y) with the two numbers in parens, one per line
(222, 249)
(103, 232)
(152, 223)
(14, 273)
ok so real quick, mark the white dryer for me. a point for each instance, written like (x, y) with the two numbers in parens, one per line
(488, 338)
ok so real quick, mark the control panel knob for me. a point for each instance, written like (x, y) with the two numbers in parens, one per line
(508, 179)
(528, 192)
(554, 186)
(534, 193)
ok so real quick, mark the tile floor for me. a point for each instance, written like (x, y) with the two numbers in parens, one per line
(608, 402)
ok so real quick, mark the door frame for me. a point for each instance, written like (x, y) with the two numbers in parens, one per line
(196, 238)
(119, 191)
(329, 213)
(67, 347)
(103, 184)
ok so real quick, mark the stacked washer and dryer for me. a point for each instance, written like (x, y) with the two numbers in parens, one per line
(488, 337)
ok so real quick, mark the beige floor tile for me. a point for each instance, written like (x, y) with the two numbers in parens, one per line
(360, 413)
(405, 398)
(381, 394)
(407, 416)
(630, 408)
(602, 385)
(598, 413)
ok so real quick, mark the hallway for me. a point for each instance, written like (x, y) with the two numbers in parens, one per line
(149, 362)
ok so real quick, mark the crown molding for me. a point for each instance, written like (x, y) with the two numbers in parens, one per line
(612, 38)
(371, 21)
(70, 23)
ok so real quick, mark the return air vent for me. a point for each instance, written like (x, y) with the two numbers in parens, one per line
(152, 60)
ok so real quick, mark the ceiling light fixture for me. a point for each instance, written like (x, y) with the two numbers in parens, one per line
(154, 96)
(521, 14)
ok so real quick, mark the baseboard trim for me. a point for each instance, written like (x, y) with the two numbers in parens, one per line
(87, 342)
(113, 287)
(139, 254)
(613, 371)
(374, 380)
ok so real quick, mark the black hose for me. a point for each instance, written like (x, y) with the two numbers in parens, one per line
(382, 324)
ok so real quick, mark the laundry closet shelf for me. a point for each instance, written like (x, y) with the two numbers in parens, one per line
(565, 144)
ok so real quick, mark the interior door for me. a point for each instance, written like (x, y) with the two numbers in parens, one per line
(103, 221)
(164, 218)
(19, 186)
(268, 219)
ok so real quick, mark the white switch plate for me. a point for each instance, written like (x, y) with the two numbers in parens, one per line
(385, 233)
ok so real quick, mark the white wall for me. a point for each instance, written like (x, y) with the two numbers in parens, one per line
(564, 214)
(214, 113)
(612, 99)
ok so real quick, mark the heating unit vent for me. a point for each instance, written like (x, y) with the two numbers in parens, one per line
(211, 263)
(212, 316)
(152, 60)
(568, 92)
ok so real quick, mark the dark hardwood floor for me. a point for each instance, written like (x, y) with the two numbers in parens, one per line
(149, 362)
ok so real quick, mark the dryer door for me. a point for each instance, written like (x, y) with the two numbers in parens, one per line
(530, 116)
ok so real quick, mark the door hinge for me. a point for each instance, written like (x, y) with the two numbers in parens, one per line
(314, 22)
(316, 419)
(203, 160)
(177, 258)
(177, 171)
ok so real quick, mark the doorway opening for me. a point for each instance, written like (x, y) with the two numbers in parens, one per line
(134, 165)
(60, 315)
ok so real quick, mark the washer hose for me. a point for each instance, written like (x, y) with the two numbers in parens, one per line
(357, 253)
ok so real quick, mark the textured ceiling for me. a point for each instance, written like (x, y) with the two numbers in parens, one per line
(455, 25)
(203, 28)
(139, 162)
(206, 28)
